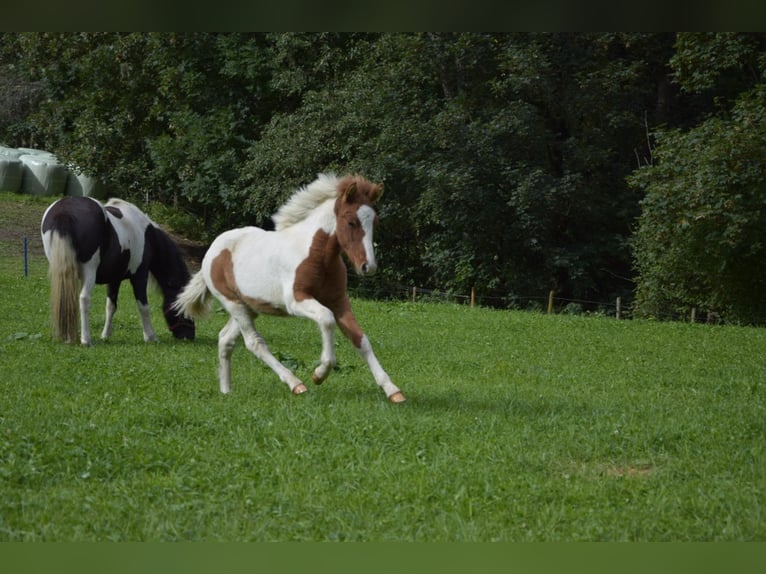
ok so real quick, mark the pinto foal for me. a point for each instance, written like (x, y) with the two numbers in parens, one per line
(295, 270)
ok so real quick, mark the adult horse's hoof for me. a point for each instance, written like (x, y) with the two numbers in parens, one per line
(299, 389)
(397, 397)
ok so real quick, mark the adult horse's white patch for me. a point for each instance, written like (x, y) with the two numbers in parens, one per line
(366, 215)
(130, 229)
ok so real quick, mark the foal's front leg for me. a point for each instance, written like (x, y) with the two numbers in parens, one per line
(353, 331)
(324, 318)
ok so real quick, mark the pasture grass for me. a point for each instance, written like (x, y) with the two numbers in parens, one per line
(518, 427)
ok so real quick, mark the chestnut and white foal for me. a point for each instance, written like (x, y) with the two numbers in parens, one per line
(297, 269)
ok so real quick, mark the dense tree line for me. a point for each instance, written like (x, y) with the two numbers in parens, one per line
(597, 165)
(701, 237)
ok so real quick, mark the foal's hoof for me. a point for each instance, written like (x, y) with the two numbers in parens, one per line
(317, 380)
(299, 389)
(397, 397)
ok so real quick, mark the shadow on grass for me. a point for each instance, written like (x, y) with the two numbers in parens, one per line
(457, 402)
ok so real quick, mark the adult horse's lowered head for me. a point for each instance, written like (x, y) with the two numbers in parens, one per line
(295, 270)
(91, 243)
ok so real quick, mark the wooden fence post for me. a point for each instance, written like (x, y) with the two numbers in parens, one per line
(619, 308)
(414, 293)
(473, 296)
(550, 301)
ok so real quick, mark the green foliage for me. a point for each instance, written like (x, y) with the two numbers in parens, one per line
(504, 156)
(499, 173)
(701, 238)
(726, 62)
(158, 116)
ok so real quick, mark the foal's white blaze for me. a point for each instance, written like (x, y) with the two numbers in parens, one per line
(366, 215)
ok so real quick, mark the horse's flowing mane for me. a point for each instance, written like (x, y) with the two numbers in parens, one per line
(305, 200)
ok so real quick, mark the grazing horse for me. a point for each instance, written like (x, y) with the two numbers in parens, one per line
(105, 244)
(297, 269)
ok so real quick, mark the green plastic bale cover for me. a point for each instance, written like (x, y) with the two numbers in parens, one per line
(43, 175)
(11, 171)
(84, 185)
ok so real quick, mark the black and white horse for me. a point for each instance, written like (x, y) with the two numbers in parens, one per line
(91, 243)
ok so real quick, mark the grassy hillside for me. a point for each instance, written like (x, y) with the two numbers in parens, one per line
(19, 217)
(518, 427)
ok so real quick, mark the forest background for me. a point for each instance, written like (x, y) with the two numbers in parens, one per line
(596, 165)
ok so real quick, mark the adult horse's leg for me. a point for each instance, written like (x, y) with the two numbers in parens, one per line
(88, 283)
(348, 324)
(243, 317)
(112, 292)
(139, 282)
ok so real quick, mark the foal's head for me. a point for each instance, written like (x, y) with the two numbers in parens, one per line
(356, 220)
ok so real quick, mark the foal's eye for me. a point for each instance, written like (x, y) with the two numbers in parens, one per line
(352, 224)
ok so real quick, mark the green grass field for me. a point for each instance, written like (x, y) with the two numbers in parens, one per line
(518, 427)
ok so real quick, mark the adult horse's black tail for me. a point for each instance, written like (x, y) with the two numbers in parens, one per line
(64, 286)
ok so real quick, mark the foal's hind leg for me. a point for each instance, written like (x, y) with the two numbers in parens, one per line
(242, 318)
(227, 339)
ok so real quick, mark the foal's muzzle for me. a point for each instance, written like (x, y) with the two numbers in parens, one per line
(367, 268)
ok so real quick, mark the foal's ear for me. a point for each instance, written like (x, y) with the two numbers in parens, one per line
(350, 191)
(377, 191)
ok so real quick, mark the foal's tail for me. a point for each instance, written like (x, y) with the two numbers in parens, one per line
(64, 286)
(195, 300)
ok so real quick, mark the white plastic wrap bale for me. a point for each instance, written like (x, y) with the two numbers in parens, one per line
(11, 170)
(10, 152)
(43, 175)
(81, 184)
(32, 151)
